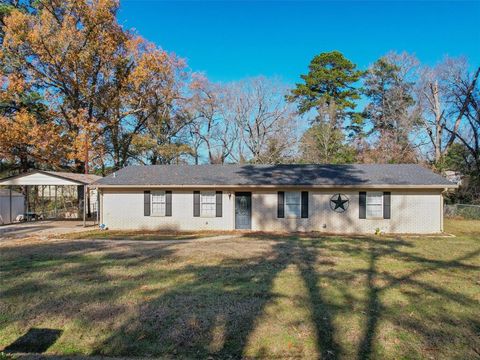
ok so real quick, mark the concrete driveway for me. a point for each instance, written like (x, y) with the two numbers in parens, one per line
(42, 228)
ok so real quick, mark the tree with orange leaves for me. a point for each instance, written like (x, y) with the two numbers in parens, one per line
(26, 134)
(108, 91)
(147, 108)
(67, 51)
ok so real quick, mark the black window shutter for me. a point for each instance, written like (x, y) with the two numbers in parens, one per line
(362, 205)
(196, 203)
(168, 203)
(146, 203)
(386, 204)
(219, 204)
(281, 204)
(304, 204)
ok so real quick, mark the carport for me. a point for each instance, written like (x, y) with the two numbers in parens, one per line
(55, 195)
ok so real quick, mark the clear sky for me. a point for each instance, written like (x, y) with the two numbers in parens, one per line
(229, 40)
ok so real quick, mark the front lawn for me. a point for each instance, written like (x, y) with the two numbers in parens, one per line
(251, 296)
(146, 235)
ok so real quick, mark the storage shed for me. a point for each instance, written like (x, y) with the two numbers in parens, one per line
(12, 204)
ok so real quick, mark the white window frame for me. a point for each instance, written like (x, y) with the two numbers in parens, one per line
(293, 204)
(158, 198)
(208, 204)
(374, 201)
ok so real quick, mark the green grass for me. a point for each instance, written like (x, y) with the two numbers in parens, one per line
(256, 295)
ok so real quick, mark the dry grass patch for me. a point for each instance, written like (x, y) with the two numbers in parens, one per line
(144, 235)
(256, 295)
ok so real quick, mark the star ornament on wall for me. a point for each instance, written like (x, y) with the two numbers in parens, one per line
(339, 203)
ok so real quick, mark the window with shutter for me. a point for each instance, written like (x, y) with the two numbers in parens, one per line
(280, 204)
(374, 205)
(218, 204)
(196, 203)
(208, 204)
(362, 204)
(146, 203)
(293, 204)
(168, 204)
(386, 205)
(158, 203)
(304, 204)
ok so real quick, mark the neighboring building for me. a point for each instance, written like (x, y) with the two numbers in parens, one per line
(326, 198)
(11, 205)
(454, 176)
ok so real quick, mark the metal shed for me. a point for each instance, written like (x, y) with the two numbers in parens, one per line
(12, 204)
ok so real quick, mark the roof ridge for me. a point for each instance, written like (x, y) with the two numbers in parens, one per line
(263, 165)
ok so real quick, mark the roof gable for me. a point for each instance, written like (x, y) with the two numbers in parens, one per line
(38, 177)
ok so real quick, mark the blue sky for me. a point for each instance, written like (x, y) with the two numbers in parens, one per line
(230, 40)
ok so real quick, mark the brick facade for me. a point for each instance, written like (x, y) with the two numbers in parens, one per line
(412, 211)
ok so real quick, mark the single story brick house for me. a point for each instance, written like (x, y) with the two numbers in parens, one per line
(326, 198)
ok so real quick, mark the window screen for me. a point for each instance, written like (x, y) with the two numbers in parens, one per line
(208, 204)
(158, 203)
(293, 204)
(374, 205)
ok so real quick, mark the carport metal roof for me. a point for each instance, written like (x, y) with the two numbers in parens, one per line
(40, 177)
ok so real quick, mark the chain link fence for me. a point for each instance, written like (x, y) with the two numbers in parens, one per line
(465, 211)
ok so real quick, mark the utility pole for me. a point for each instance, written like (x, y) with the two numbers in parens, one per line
(86, 153)
(85, 186)
(10, 200)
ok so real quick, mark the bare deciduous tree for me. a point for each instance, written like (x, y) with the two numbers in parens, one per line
(213, 130)
(465, 99)
(265, 121)
(446, 95)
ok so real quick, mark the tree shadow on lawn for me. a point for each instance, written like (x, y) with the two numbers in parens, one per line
(223, 304)
(34, 341)
(215, 308)
(69, 279)
(213, 313)
(379, 283)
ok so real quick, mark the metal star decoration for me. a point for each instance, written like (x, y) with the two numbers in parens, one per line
(339, 203)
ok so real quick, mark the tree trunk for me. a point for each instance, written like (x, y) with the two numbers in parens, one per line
(438, 121)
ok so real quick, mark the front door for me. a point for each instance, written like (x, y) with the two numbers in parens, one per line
(243, 210)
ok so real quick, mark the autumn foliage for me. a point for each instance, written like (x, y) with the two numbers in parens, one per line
(96, 81)
(78, 90)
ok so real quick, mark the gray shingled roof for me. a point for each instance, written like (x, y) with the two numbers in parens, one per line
(282, 175)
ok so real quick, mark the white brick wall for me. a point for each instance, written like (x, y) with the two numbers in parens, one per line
(123, 209)
(412, 211)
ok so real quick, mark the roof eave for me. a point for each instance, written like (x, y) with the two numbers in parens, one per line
(325, 186)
